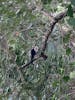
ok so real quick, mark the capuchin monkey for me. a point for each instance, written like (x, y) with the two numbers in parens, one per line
(34, 51)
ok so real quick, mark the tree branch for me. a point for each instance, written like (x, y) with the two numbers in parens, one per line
(52, 24)
(25, 65)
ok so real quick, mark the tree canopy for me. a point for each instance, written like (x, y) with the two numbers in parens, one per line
(50, 26)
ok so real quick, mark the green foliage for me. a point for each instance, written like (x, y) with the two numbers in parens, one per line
(71, 21)
(11, 74)
(68, 51)
(66, 78)
(9, 90)
(32, 34)
(61, 71)
(70, 11)
(46, 1)
(20, 59)
(54, 97)
(66, 38)
(73, 2)
(72, 75)
(20, 11)
(60, 1)
(42, 79)
(60, 61)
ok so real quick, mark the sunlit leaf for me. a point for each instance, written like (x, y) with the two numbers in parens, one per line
(72, 74)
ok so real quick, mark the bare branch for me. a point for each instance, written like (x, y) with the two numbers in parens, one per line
(25, 65)
(52, 24)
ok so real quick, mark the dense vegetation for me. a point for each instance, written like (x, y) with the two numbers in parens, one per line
(50, 25)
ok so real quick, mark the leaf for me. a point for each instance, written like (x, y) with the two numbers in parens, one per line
(72, 74)
(20, 11)
(68, 51)
(70, 11)
(61, 70)
(19, 60)
(54, 97)
(71, 21)
(73, 2)
(46, 1)
(51, 49)
(32, 34)
(55, 83)
(60, 1)
(66, 78)
(60, 61)
(72, 63)
(11, 75)
(17, 51)
(66, 38)
(9, 90)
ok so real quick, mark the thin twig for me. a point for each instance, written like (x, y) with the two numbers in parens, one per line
(25, 65)
(68, 94)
